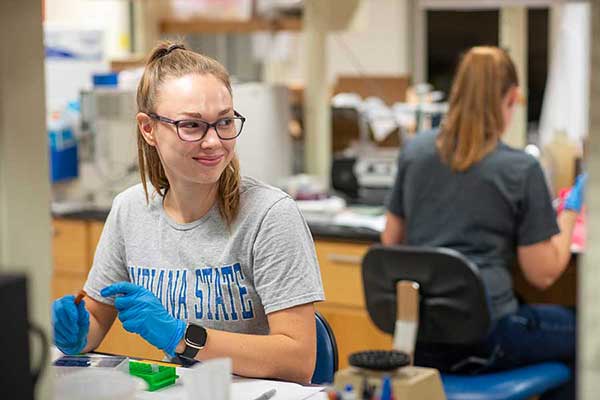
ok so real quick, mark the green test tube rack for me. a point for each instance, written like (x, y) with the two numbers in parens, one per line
(157, 376)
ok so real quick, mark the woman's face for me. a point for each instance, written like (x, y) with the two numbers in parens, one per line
(191, 96)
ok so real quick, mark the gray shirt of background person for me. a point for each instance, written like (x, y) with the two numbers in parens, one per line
(499, 203)
(205, 273)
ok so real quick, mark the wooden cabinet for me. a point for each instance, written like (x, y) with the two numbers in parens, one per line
(344, 307)
(74, 244)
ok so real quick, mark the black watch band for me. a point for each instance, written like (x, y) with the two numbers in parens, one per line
(195, 339)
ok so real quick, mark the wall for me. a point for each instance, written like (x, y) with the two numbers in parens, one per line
(377, 42)
(109, 15)
(24, 187)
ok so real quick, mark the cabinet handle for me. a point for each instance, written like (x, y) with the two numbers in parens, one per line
(344, 258)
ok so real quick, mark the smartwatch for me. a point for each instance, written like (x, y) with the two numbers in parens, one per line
(195, 340)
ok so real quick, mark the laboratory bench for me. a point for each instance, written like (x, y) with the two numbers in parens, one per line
(339, 251)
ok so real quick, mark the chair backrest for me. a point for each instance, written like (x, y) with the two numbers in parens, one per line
(327, 352)
(453, 306)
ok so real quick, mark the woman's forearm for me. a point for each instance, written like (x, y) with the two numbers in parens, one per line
(562, 242)
(262, 356)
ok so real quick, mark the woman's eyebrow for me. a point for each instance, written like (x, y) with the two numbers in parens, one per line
(199, 115)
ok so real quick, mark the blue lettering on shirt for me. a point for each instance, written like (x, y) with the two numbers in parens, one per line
(227, 274)
(199, 295)
(219, 293)
(249, 312)
(207, 275)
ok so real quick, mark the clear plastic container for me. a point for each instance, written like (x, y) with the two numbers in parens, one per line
(96, 384)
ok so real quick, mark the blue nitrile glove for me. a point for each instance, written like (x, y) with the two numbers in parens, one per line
(71, 324)
(141, 312)
(574, 200)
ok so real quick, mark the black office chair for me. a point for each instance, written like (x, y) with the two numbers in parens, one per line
(451, 308)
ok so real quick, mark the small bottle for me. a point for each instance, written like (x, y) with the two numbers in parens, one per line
(348, 393)
(386, 389)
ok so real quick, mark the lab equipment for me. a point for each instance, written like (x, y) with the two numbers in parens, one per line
(71, 323)
(96, 384)
(156, 376)
(141, 312)
(574, 201)
(64, 161)
(18, 378)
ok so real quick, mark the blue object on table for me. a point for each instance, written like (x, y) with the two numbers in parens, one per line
(439, 272)
(64, 160)
(107, 79)
(327, 352)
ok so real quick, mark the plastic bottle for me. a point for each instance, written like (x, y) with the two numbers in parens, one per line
(349, 393)
(64, 162)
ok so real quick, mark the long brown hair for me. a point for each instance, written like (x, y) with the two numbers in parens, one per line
(475, 121)
(172, 60)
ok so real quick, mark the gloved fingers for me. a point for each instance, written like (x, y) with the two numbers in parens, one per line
(130, 326)
(64, 338)
(64, 311)
(83, 316)
(133, 313)
(124, 288)
(581, 181)
(123, 303)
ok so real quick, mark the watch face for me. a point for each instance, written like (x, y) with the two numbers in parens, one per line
(195, 336)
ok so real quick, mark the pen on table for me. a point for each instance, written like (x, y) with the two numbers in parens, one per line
(80, 296)
(267, 395)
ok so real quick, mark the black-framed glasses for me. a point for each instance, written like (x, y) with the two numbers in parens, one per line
(193, 130)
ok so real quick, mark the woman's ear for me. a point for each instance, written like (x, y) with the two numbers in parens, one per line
(146, 128)
(513, 97)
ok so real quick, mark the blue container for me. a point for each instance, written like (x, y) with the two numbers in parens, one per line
(64, 160)
(110, 79)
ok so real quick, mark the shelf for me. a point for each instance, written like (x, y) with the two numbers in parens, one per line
(204, 25)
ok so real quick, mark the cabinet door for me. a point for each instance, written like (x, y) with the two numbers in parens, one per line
(119, 341)
(341, 272)
(70, 246)
(63, 284)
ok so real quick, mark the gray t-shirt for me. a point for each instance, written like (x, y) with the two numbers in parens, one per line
(204, 272)
(499, 203)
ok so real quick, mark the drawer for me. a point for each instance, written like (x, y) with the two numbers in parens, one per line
(70, 246)
(341, 272)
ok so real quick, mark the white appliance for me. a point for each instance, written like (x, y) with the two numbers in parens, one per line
(265, 145)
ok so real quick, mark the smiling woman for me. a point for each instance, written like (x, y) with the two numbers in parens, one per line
(201, 262)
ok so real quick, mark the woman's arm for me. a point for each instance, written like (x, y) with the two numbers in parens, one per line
(394, 230)
(287, 353)
(543, 263)
(102, 317)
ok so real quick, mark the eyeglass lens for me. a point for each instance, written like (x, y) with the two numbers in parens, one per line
(227, 128)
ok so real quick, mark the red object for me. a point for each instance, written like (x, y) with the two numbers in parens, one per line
(579, 232)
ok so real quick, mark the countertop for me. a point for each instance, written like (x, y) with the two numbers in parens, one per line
(318, 230)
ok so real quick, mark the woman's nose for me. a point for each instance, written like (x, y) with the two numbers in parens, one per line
(211, 139)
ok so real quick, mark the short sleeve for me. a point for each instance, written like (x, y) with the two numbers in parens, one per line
(537, 218)
(286, 271)
(395, 202)
(109, 264)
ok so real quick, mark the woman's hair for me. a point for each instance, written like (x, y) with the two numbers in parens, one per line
(172, 60)
(475, 121)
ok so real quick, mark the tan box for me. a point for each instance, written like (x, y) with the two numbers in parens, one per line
(407, 382)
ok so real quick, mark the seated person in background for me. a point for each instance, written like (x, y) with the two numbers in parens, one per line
(201, 252)
(464, 189)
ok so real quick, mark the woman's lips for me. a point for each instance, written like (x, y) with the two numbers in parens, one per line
(209, 161)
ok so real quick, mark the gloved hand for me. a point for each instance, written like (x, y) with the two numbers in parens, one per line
(71, 324)
(574, 200)
(141, 312)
